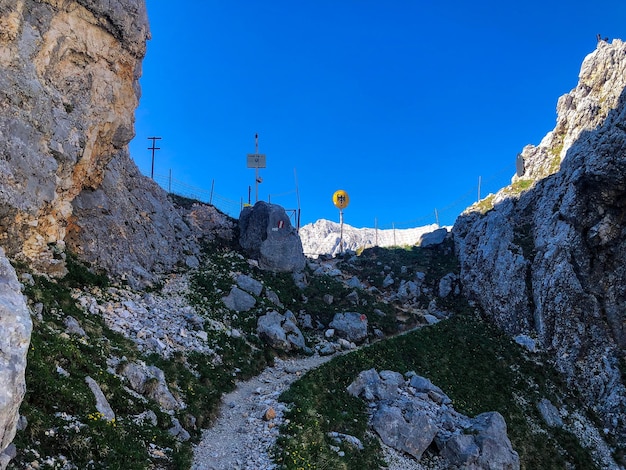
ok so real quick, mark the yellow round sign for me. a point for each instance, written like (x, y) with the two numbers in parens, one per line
(341, 199)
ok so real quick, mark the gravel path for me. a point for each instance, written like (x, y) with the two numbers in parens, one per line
(243, 435)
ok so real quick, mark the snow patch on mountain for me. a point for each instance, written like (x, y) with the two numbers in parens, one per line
(323, 237)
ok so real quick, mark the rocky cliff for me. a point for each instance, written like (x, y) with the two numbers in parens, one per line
(15, 329)
(69, 73)
(546, 257)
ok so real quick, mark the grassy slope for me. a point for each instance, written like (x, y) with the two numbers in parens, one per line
(478, 367)
(63, 424)
(475, 365)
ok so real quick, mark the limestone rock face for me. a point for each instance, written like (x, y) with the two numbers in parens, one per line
(551, 262)
(267, 235)
(128, 226)
(69, 78)
(602, 78)
(15, 329)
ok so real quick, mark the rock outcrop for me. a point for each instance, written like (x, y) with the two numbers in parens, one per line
(412, 415)
(70, 73)
(128, 226)
(70, 81)
(266, 234)
(15, 329)
(281, 331)
(550, 263)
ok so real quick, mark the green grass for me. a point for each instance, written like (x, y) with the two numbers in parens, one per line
(453, 354)
(484, 205)
(519, 186)
(434, 261)
(196, 378)
(61, 413)
(479, 368)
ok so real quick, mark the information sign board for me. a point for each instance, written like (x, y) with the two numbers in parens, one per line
(256, 160)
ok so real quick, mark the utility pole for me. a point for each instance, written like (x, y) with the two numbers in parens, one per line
(153, 148)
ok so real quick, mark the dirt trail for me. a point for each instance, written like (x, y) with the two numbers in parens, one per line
(242, 436)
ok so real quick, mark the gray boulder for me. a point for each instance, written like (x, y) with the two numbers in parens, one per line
(484, 444)
(350, 325)
(550, 413)
(496, 452)
(150, 382)
(102, 405)
(446, 284)
(73, 327)
(409, 415)
(273, 297)
(422, 384)
(374, 386)
(280, 331)
(15, 330)
(411, 434)
(527, 342)
(249, 284)
(461, 450)
(178, 431)
(388, 281)
(435, 237)
(239, 300)
(266, 234)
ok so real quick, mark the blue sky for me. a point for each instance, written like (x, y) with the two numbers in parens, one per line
(403, 104)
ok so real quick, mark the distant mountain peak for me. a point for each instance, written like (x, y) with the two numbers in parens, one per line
(323, 236)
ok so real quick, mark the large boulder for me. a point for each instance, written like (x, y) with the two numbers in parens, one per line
(411, 433)
(266, 234)
(494, 447)
(150, 381)
(15, 330)
(350, 325)
(239, 300)
(280, 331)
(413, 415)
(436, 237)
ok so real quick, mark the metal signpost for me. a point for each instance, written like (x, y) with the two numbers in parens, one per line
(341, 201)
(256, 160)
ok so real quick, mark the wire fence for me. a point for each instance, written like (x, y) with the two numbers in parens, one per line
(180, 188)
(492, 183)
(449, 212)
